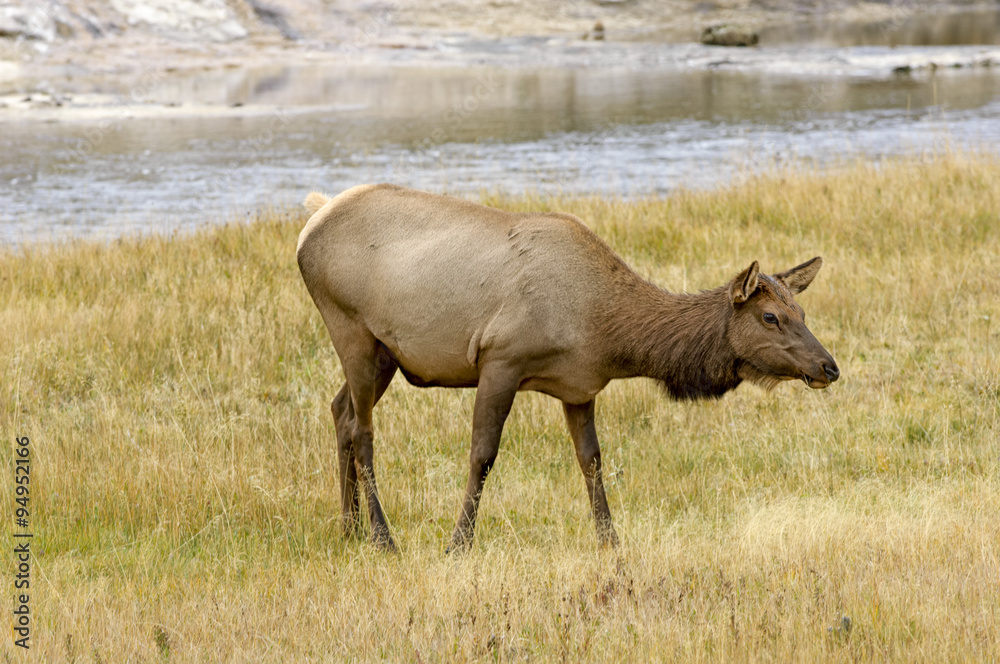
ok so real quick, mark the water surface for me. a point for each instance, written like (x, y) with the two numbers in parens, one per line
(214, 145)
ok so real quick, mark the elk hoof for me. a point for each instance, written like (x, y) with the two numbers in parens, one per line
(385, 545)
(382, 540)
(459, 545)
(352, 528)
(608, 539)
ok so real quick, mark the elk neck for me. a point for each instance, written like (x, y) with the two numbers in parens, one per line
(677, 339)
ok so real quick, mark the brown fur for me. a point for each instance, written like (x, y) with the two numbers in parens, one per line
(680, 343)
(455, 294)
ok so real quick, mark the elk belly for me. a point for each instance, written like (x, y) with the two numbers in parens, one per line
(435, 358)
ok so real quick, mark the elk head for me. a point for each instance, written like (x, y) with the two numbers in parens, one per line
(768, 330)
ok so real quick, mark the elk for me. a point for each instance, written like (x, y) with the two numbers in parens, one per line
(456, 294)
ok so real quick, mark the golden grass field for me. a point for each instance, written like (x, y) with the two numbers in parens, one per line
(185, 500)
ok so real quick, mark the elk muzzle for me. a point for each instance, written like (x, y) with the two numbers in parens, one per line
(824, 373)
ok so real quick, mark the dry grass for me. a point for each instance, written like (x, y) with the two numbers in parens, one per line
(176, 392)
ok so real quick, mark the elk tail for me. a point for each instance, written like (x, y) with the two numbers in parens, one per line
(315, 201)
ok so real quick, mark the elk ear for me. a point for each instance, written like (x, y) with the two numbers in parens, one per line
(744, 285)
(799, 277)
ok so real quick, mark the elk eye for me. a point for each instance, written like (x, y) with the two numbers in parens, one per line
(770, 318)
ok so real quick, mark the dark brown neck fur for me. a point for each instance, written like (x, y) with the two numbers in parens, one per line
(680, 340)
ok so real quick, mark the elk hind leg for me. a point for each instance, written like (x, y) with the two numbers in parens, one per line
(343, 418)
(368, 377)
(369, 368)
(345, 423)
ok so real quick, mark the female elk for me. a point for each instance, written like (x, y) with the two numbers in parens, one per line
(455, 294)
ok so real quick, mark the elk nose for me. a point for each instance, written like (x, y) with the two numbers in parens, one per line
(831, 371)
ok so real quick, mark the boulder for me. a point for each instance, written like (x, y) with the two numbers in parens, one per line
(211, 20)
(25, 21)
(729, 35)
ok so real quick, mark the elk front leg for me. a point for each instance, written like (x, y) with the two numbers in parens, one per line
(580, 419)
(494, 397)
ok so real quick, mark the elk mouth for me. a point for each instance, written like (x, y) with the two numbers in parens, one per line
(815, 383)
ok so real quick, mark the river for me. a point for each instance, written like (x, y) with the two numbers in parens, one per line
(626, 119)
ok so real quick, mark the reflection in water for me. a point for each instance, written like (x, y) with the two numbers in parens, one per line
(461, 130)
(956, 29)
